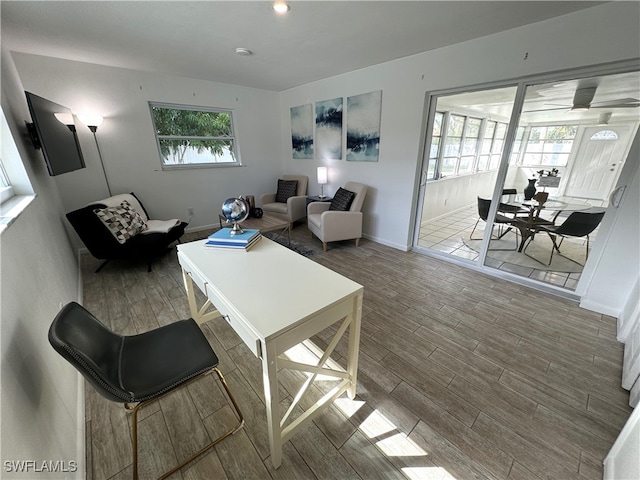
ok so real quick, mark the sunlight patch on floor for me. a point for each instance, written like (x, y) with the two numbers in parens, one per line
(399, 445)
(377, 427)
(427, 473)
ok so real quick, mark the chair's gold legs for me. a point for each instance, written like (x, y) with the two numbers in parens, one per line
(357, 242)
(134, 427)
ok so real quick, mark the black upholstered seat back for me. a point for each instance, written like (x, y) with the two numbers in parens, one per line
(91, 348)
(484, 205)
(580, 224)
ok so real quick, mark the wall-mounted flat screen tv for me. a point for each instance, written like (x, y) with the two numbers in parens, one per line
(59, 142)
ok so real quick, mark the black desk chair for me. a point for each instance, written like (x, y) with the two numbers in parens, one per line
(138, 369)
(578, 224)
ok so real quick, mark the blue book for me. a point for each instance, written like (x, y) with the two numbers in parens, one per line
(224, 237)
(221, 245)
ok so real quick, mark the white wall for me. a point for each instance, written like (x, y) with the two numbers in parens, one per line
(128, 144)
(41, 397)
(596, 35)
(449, 194)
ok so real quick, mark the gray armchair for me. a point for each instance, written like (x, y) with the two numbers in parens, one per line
(294, 207)
(328, 222)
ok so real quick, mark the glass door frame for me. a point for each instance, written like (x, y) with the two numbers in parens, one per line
(431, 100)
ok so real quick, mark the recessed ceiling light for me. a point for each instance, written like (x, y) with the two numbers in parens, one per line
(281, 7)
(243, 51)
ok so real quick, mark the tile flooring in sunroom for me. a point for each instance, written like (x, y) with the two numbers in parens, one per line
(446, 234)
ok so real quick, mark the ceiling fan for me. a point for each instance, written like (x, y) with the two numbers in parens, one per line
(583, 100)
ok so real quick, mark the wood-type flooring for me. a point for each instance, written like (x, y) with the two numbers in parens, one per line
(461, 376)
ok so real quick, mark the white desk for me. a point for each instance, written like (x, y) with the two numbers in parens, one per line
(275, 299)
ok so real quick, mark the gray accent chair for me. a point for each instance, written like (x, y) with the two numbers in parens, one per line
(296, 206)
(331, 225)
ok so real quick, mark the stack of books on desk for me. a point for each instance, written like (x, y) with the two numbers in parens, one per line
(222, 239)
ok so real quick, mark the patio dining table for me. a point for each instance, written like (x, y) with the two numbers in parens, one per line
(530, 225)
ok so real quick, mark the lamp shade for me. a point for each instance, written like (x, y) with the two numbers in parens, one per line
(64, 118)
(322, 175)
(91, 120)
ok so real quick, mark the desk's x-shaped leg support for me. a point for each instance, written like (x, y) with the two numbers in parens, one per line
(281, 430)
(200, 315)
(335, 371)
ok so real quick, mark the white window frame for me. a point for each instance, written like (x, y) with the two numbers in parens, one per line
(234, 151)
(480, 140)
(13, 201)
(6, 190)
(544, 141)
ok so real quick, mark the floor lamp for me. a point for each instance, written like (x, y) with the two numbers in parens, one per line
(93, 122)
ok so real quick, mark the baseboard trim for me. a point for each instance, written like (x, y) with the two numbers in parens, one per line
(600, 308)
(397, 246)
(201, 228)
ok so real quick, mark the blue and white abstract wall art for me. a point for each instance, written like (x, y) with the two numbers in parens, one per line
(363, 127)
(329, 129)
(302, 131)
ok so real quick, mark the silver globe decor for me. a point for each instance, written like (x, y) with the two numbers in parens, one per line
(235, 210)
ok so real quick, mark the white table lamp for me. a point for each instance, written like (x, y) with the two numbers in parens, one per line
(322, 180)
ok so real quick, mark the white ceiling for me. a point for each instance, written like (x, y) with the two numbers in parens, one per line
(315, 40)
(552, 102)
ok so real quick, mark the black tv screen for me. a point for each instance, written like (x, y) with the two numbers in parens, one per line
(59, 143)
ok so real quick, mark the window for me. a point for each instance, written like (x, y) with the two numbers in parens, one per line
(194, 136)
(485, 149)
(452, 144)
(436, 142)
(462, 145)
(605, 135)
(517, 146)
(469, 145)
(6, 190)
(549, 145)
(497, 145)
(17, 196)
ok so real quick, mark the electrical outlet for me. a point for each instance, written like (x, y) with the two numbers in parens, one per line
(190, 211)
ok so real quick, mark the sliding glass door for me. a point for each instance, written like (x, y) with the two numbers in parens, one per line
(505, 168)
(466, 142)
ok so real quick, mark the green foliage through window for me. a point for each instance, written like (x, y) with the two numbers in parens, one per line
(549, 145)
(189, 136)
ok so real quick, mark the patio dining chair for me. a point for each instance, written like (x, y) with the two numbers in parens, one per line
(500, 220)
(579, 224)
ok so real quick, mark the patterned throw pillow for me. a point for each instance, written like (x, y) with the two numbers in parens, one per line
(123, 222)
(286, 189)
(342, 200)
